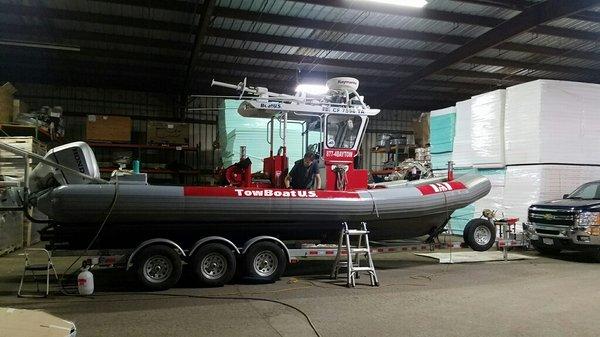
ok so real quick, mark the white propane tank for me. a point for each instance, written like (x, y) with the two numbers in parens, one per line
(343, 83)
(85, 282)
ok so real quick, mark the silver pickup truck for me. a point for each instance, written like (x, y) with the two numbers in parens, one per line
(570, 223)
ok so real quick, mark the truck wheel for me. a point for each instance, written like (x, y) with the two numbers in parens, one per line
(157, 267)
(595, 254)
(265, 261)
(213, 264)
(544, 249)
(480, 234)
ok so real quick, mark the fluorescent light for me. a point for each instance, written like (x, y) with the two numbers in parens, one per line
(405, 3)
(38, 45)
(312, 89)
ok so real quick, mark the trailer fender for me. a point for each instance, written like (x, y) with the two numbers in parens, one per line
(213, 239)
(147, 243)
(267, 238)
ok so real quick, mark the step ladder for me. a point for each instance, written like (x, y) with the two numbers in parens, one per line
(353, 255)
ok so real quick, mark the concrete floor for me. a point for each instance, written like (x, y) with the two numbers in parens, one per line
(417, 297)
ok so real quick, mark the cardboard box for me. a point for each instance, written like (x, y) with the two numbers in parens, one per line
(421, 129)
(108, 128)
(6, 102)
(168, 133)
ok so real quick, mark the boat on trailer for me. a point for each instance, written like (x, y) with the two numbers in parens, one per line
(247, 205)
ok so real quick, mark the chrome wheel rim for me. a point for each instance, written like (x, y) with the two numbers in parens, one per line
(482, 235)
(265, 263)
(213, 266)
(157, 269)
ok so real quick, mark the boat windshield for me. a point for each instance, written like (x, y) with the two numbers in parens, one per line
(589, 191)
(342, 131)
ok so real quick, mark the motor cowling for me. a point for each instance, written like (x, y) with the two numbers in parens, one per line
(77, 156)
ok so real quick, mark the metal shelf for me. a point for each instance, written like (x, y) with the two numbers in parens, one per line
(155, 171)
(393, 148)
(143, 146)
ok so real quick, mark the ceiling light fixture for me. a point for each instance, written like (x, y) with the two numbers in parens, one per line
(38, 45)
(404, 3)
(312, 89)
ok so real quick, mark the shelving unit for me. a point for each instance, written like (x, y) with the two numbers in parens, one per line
(157, 171)
(140, 151)
(393, 148)
(37, 132)
(143, 146)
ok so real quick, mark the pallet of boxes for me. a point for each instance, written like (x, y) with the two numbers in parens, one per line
(15, 230)
(167, 133)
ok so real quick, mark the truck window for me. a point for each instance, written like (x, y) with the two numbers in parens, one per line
(587, 191)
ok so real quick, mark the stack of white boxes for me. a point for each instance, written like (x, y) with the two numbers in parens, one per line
(552, 137)
(534, 142)
(462, 155)
(479, 148)
(487, 129)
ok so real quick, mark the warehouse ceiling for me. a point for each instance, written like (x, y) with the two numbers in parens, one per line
(405, 58)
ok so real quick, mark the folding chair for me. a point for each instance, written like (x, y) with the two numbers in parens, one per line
(37, 267)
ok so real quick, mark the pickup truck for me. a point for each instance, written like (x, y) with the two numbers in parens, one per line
(570, 223)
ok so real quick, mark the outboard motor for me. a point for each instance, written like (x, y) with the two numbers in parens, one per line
(77, 155)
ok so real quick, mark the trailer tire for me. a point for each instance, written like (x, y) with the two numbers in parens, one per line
(480, 234)
(157, 267)
(265, 261)
(213, 264)
(545, 249)
(465, 231)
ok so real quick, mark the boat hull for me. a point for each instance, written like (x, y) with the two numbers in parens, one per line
(187, 214)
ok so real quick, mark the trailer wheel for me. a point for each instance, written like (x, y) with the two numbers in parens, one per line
(545, 249)
(265, 261)
(158, 267)
(213, 264)
(480, 234)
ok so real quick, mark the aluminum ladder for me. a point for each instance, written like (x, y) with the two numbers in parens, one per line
(353, 266)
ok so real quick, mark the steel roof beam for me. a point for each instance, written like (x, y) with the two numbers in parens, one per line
(80, 16)
(347, 63)
(292, 21)
(205, 15)
(326, 45)
(389, 51)
(278, 19)
(425, 13)
(9, 31)
(95, 53)
(520, 5)
(526, 20)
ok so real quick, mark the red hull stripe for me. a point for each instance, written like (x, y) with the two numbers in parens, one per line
(441, 187)
(235, 192)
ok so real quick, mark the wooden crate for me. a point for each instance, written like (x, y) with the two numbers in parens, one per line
(6, 102)
(168, 133)
(108, 128)
(12, 164)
